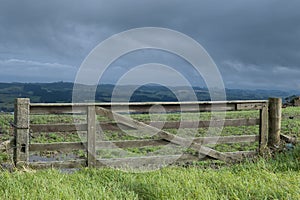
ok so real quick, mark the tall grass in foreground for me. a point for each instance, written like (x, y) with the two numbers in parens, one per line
(276, 178)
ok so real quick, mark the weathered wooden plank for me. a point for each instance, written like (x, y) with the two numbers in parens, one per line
(146, 161)
(159, 161)
(160, 142)
(57, 109)
(227, 139)
(143, 107)
(35, 128)
(112, 126)
(238, 155)
(183, 124)
(242, 122)
(135, 162)
(21, 131)
(79, 163)
(91, 136)
(170, 108)
(58, 146)
(249, 106)
(186, 108)
(107, 105)
(263, 129)
(206, 151)
(41, 108)
(163, 134)
(129, 144)
(204, 124)
(166, 104)
(69, 146)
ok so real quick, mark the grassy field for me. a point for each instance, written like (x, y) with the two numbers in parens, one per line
(276, 178)
(273, 178)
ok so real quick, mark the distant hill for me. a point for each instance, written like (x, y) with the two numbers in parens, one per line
(62, 92)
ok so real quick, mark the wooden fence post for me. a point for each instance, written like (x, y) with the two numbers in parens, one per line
(21, 131)
(91, 136)
(275, 105)
(263, 129)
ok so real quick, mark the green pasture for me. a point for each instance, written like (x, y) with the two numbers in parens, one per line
(276, 177)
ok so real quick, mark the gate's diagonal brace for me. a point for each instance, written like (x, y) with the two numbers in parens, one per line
(163, 134)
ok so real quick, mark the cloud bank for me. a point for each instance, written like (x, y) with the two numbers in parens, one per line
(255, 43)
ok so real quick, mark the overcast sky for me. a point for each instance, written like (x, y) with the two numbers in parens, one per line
(254, 43)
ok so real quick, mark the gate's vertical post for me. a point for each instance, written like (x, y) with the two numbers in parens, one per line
(21, 131)
(91, 136)
(263, 129)
(275, 105)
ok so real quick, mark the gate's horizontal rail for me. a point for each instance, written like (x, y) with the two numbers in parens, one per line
(66, 164)
(147, 161)
(143, 107)
(158, 124)
(69, 146)
(134, 161)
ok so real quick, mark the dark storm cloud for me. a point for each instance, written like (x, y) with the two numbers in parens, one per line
(255, 43)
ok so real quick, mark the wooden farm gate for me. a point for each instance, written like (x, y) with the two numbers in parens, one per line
(113, 111)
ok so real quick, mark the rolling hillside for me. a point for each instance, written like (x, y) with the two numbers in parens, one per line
(62, 92)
